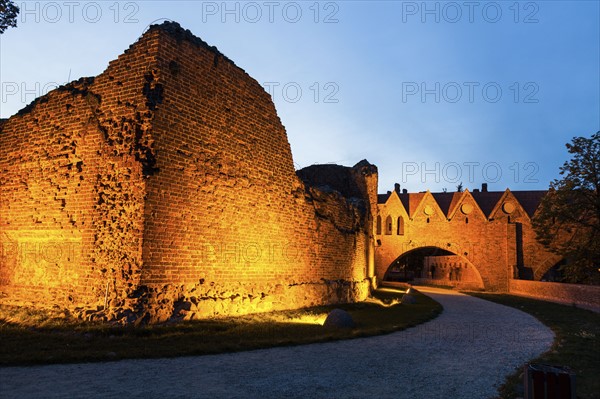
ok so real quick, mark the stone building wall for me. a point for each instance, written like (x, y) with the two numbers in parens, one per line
(48, 197)
(74, 164)
(585, 296)
(499, 244)
(450, 270)
(171, 175)
(165, 187)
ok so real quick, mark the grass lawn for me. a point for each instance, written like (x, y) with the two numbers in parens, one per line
(577, 343)
(37, 337)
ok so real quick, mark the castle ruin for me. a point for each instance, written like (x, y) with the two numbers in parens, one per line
(165, 187)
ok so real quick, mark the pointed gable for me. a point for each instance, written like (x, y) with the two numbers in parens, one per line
(467, 206)
(508, 205)
(395, 203)
(486, 202)
(427, 200)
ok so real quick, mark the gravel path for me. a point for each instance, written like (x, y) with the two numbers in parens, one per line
(464, 353)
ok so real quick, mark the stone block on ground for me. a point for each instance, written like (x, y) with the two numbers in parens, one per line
(339, 318)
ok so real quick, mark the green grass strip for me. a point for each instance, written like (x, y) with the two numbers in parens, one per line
(30, 337)
(577, 343)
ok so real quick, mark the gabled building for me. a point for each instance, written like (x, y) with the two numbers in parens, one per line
(476, 239)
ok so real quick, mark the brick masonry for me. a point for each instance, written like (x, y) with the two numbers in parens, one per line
(165, 187)
(490, 233)
(587, 296)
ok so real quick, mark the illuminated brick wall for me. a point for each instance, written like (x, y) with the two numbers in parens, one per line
(569, 294)
(48, 197)
(489, 231)
(171, 176)
(74, 164)
(450, 270)
(165, 187)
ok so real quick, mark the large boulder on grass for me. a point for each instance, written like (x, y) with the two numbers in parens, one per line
(408, 299)
(339, 318)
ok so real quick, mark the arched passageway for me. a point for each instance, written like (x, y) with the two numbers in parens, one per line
(434, 265)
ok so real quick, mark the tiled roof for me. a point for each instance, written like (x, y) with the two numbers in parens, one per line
(487, 200)
(529, 200)
(446, 201)
(404, 198)
(382, 198)
(411, 201)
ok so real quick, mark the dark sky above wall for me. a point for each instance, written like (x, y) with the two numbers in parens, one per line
(433, 93)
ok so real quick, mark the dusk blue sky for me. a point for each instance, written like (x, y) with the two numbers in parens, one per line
(433, 93)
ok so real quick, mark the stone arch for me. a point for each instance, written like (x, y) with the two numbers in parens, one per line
(544, 267)
(434, 265)
(554, 273)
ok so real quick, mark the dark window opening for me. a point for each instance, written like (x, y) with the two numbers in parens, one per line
(388, 225)
(400, 226)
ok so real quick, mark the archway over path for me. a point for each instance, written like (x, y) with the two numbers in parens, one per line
(434, 265)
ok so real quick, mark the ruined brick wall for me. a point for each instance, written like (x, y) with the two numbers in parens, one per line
(354, 182)
(359, 184)
(72, 193)
(172, 174)
(47, 197)
(229, 226)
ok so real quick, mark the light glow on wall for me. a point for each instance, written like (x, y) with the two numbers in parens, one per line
(317, 319)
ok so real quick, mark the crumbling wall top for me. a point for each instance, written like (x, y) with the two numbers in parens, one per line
(180, 34)
(337, 177)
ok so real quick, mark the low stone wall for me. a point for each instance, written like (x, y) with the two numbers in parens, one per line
(198, 301)
(459, 285)
(585, 296)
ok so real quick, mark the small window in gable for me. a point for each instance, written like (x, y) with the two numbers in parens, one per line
(378, 225)
(388, 225)
(400, 226)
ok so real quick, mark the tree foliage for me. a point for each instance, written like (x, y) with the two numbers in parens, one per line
(8, 15)
(568, 219)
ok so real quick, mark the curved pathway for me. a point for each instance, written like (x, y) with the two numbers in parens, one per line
(464, 353)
